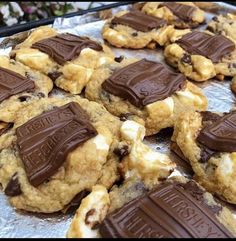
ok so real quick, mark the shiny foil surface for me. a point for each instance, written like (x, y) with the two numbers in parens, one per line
(16, 224)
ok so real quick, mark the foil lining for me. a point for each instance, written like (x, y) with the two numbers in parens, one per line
(19, 224)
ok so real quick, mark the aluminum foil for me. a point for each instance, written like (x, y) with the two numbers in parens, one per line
(16, 224)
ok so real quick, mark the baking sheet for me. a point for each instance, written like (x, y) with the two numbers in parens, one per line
(15, 224)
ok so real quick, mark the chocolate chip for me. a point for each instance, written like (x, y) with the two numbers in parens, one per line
(54, 75)
(88, 214)
(95, 226)
(78, 198)
(215, 19)
(125, 116)
(41, 95)
(232, 65)
(161, 179)
(28, 76)
(135, 34)
(6, 128)
(119, 59)
(24, 98)
(105, 95)
(13, 187)
(13, 56)
(112, 25)
(121, 152)
(186, 59)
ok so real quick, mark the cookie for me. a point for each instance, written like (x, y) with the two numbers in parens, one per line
(207, 140)
(173, 209)
(142, 169)
(225, 25)
(19, 85)
(201, 55)
(144, 91)
(136, 30)
(69, 60)
(180, 14)
(62, 146)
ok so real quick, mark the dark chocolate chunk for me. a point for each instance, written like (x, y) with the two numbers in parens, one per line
(121, 152)
(182, 11)
(54, 75)
(45, 141)
(139, 21)
(13, 187)
(4, 127)
(65, 47)
(12, 83)
(172, 210)
(186, 59)
(135, 34)
(214, 47)
(144, 82)
(221, 134)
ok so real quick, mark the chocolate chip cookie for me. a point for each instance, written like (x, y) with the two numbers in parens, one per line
(144, 91)
(180, 14)
(19, 85)
(62, 146)
(208, 141)
(225, 25)
(69, 60)
(136, 30)
(202, 55)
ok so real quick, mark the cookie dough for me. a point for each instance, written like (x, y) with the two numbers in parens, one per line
(19, 85)
(67, 59)
(202, 55)
(207, 140)
(155, 114)
(136, 30)
(225, 25)
(180, 14)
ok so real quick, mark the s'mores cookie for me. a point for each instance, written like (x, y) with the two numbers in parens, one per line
(202, 55)
(144, 91)
(180, 14)
(69, 60)
(208, 140)
(136, 30)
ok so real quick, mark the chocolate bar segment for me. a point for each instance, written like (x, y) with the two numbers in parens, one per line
(65, 47)
(45, 141)
(139, 21)
(144, 82)
(221, 134)
(182, 11)
(12, 83)
(213, 47)
(172, 210)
